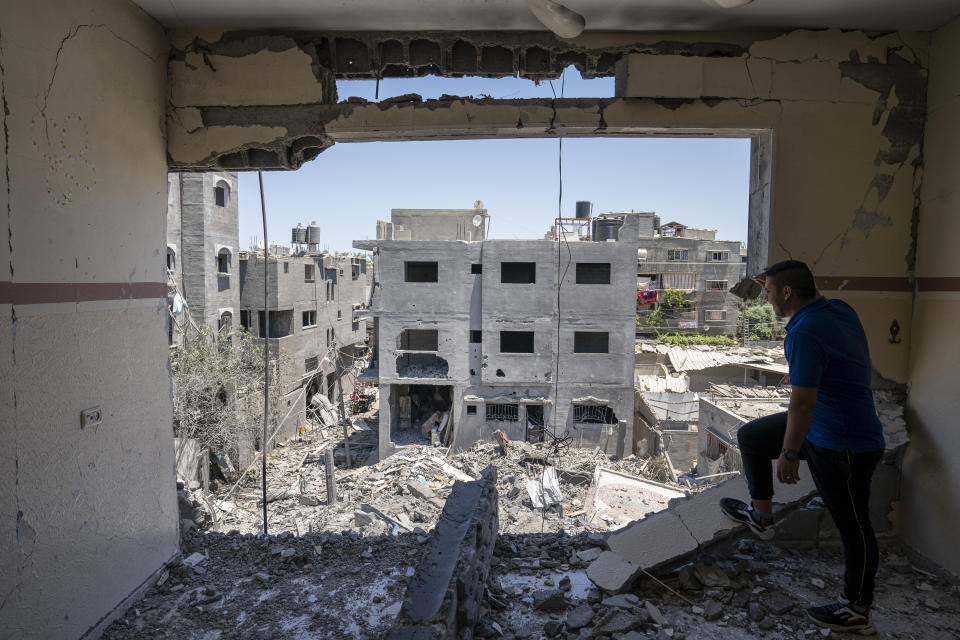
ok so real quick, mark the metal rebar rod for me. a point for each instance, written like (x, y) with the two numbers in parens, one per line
(266, 354)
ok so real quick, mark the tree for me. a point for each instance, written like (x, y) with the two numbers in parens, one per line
(674, 299)
(761, 321)
(218, 389)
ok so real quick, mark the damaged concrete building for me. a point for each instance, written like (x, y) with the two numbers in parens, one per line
(315, 300)
(852, 110)
(476, 335)
(203, 282)
(674, 256)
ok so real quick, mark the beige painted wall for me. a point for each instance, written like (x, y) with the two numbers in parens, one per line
(89, 514)
(931, 488)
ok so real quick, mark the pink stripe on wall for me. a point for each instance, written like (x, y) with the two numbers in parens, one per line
(48, 292)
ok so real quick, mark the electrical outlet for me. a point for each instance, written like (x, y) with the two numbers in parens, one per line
(91, 417)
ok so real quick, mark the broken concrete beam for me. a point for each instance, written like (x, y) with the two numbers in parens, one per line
(445, 592)
(611, 573)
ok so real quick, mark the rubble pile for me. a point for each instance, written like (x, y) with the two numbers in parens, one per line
(279, 586)
(537, 588)
(407, 489)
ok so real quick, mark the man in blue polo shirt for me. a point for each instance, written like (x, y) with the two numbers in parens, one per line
(831, 423)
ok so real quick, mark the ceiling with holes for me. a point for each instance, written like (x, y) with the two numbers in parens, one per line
(511, 15)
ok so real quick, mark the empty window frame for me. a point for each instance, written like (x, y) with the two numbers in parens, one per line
(308, 273)
(593, 414)
(503, 412)
(171, 258)
(719, 256)
(518, 272)
(476, 336)
(593, 273)
(718, 285)
(286, 267)
(245, 319)
(223, 261)
(591, 342)
(420, 271)
(471, 409)
(221, 194)
(339, 314)
(476, 268)
(309, 319)
(678, 254)
(281, 323)
(226, 321)
(516, 342)
(714, 315)
(311, 364)
(419, 339)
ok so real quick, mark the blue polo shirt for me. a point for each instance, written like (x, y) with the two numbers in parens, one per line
(826, 348)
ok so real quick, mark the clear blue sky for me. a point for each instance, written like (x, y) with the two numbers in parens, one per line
(697, 182)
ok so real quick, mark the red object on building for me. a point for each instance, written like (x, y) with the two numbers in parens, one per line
(646, 296)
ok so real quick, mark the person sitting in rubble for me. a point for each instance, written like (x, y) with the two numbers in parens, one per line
(831, 423)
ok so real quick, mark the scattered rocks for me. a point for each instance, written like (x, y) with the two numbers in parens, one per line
(579, 616)
(549, 600)
(712, 610)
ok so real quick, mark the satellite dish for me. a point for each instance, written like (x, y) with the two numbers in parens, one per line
(477, 220)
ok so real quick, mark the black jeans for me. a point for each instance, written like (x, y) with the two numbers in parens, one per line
(843, 480)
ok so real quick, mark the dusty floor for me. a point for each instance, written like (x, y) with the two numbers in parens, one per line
(321, 586)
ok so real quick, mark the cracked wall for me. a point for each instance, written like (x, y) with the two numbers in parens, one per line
(837, 119)
(89, 514)
(931, 484)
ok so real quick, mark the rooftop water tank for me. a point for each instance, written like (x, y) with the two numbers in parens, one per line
(584, 208)
(299, 234)
(313, 233)
(606, 228)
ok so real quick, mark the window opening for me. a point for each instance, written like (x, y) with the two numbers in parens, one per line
(311, 364)
(339, 314)
(420, 271)
(593, 414)
(720, 256)
(223, 261)
(591, 342)
(678, 254)
(516, 342)
(308, 275)
(503, 412)
(309, 319)
(226, 320)
(281, 323)
(221, 194)
(476, 268)
(171, 258)
(593, 273)
(476, 336)
(421, 414)
(534, 427)
(471, 409)
(716, 314)
(419, 339)
(245, 319)
(718, 285)
(518, 272)
(286, 267)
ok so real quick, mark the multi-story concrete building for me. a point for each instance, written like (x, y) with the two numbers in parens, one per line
(673, 256)
(479, 335)
(314, 301)
(202, 246)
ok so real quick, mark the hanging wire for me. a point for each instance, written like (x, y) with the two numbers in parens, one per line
(266, 352)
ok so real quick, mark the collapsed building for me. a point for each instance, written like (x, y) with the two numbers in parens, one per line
(474, 335)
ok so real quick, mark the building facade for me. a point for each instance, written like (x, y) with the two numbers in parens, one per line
(314, 302)
(467, 335)
(673, 256)
(203, 282)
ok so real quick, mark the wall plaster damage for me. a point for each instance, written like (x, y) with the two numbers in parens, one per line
(796, 94)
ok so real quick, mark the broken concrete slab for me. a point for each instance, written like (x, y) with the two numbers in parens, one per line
(611, 573)
(686, 526)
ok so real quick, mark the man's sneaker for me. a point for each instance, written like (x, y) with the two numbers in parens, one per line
(843, 616)
(740, 511)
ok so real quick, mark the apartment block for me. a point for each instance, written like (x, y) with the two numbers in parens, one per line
(674, 256)
(314, 301)
(203, 282)
(532, 337)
